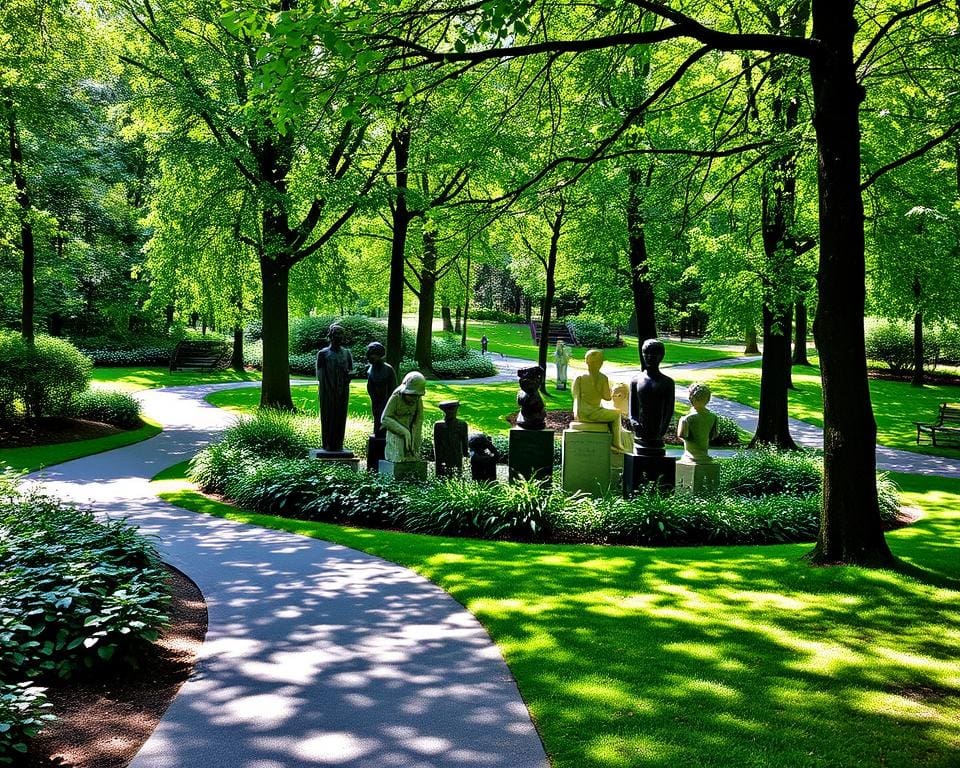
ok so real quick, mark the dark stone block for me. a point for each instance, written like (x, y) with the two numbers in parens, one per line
(375, 452)
(531, 453)
(641, 470)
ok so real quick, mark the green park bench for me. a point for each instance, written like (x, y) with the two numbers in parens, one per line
(947, 425)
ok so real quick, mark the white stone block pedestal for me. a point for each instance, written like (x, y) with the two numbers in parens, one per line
(588, 463)
(700, 479)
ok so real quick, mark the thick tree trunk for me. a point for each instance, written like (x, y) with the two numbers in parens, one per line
(918, 379)
(236, 358)
(428, 293)
(750, 344)
(643, 299)
(22, 197)
(275, 389)
(773, 427)
(401, 225)
(850, 527)
(800, 332)
(447, 317)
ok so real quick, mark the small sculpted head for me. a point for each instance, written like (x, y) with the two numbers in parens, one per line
(699, 395)
(593, 359)
(375, 352)
(530, 378)
(621, 397)
(653, 353)
(336, 335)
(449, 408)
(413, 387)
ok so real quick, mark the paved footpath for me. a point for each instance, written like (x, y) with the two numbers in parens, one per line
(316, 654)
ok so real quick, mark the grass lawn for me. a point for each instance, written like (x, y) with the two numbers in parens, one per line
(36, 457)
(135, 379)
(484, 407)
(515, 341)
(738, 656)
(896, 405)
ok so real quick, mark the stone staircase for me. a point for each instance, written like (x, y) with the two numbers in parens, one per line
(199, 356)
(556, 332)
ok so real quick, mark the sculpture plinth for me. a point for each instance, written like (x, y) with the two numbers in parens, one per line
(641, 470)
(345, 458)
(375, 452)
(531, 454)
(403, 470)
(701, 479)
(587, 458)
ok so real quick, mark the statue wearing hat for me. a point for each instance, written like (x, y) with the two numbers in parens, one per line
(403, 419)
(449, 441)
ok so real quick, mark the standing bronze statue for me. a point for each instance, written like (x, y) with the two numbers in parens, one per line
(652, 396)
(381, 381)
(449, 441)
(334, 371)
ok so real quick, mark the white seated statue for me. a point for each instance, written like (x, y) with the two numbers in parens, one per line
(589, 392)
(698, 427)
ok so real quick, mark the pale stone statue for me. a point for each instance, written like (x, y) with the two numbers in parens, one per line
(381, 381)
(533, 413)
(698, 427)
(561, 357)
(652, 396)
(403, 419)
(449, 441)
(334, 369)
(621, 401)
(589, 392)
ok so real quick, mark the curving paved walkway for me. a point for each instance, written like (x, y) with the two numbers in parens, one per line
(316, 655)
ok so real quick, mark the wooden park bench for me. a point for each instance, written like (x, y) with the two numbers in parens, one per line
(947, 425)
(199, 356)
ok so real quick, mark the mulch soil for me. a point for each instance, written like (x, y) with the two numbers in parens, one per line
(103, 723)
(20, 432)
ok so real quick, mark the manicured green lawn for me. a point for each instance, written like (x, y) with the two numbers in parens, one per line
(738, 656)
(896, 405)
(37, 457)
(484, 407)
(515, 341)
(135, 379)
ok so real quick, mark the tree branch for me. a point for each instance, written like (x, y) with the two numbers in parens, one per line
(918, 152)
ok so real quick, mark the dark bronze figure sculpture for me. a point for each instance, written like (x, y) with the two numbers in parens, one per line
(533, 414)
(449, 441)
(334, 371)
(652, 396)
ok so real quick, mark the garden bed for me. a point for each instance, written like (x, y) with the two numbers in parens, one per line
(49, 430)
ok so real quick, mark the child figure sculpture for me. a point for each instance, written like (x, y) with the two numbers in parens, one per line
(449, 441)
(698, 427)
(589, 390)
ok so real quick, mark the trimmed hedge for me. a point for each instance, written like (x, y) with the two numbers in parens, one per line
(107, 406)
(593, 333)
(309, 334)
(495, 316)
(42, 378)
(122, 358)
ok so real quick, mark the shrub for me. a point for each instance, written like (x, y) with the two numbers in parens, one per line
(303, 363)
(271, 432)
(727, 432)
(593, 333)
(765, 471)
(253, 331)
(108, 406)
(43, 377)
(22, 715)
(309, 334)
(74, 592)
(892, 343)
(471, 365)
(138, 356)
(949, 343)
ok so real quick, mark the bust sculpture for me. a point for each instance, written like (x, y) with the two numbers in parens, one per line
(698, 427)
(483, 458)
(334, 369)
(381, 381)
(449, 440)
(589, 392)
(652, 396)
(533, 413)
(403, 419)
(561, 357)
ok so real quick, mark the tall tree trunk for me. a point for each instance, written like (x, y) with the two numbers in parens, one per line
(275, 389)
(466, 302)
(918, 379)
(850, 527)
(773, 426)
(456, 325)
(447, 317)
(551, 268)
(750, 344)
(401, 225)
(800, 332)
(643, 300)
(236, 357)
(428, 293)
(22, 197)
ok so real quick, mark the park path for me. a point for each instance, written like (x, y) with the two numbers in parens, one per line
(316, 654)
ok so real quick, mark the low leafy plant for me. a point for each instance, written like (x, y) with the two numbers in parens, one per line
(107, 406)
(727, 432)
(23, 713)
(40, 378)
(590, 332)
(765, 471)
(482, 314)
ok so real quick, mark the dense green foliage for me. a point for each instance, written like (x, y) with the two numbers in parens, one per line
(23, 712)
(108, 406)
(593, 333)
(39, 379)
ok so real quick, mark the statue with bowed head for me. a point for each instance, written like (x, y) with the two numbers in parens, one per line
(531, 443)
(403, 422)
(697, 471)
(652, 398)
(334, 371)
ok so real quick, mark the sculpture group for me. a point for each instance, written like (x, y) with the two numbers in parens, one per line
(597, 452)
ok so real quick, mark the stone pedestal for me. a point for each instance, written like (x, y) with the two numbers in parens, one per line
(375, 452)
(403, 470)
(587, 464)
(531, 453)
(641, 470)
(345, 458)
(700, 479)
